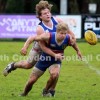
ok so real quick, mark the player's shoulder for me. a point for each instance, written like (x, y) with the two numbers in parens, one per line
(39, 29)
(58, 19)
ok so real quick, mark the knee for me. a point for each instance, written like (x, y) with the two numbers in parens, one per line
(33, 78)
(55, 75)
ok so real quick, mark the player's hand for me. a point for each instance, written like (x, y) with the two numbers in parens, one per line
(59, 56)
(79, 55)
(23, 51)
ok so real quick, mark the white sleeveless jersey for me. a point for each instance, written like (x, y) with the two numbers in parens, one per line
(46, 29)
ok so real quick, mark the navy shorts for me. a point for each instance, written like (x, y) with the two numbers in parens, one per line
(46, 61)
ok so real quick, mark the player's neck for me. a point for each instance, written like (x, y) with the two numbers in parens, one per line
(48, 23)
(59, 41)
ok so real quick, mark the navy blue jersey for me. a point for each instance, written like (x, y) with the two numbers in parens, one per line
(46, 60)
(48, 29)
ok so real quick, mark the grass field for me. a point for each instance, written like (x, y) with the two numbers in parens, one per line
(78, 81)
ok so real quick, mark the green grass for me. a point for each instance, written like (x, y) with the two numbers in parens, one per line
(77, 81)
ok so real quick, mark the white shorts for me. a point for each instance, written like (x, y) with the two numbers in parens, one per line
(33, 56)
(37, 72)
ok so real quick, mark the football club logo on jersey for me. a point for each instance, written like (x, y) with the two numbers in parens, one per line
(52, 45)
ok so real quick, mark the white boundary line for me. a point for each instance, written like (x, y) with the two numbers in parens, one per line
(91, 67)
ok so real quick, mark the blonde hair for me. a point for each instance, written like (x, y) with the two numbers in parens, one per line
(41, 6)
(62, 27)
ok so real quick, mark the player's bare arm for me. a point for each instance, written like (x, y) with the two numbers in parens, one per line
(44, 36)
(58, 19)
(77, 50)
(39, 30)
(26, 45)
(75, 46)
(72, 34)
(49, 51)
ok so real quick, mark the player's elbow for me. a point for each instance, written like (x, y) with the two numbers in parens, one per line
(74, 38)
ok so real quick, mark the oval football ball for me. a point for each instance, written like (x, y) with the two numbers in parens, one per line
(91, 37)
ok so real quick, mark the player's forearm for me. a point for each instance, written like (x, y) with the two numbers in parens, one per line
(31, 39)
(78, 51)
(75, 47)
(45, 49)
(49, 51)
(28, 42)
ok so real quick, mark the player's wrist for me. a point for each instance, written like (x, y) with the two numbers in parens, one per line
(25, 47)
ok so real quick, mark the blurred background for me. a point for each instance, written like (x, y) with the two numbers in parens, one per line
(81, 15)
(28, 6)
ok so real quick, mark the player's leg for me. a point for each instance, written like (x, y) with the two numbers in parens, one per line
(33, 57)
(29, 63)
(51, 83)
(33, 78)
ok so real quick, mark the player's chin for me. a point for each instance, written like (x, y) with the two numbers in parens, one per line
(62, 38)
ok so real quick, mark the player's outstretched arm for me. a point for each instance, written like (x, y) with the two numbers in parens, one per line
(26, 45)
(75, 46)
(36, 38)
(31, 39)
